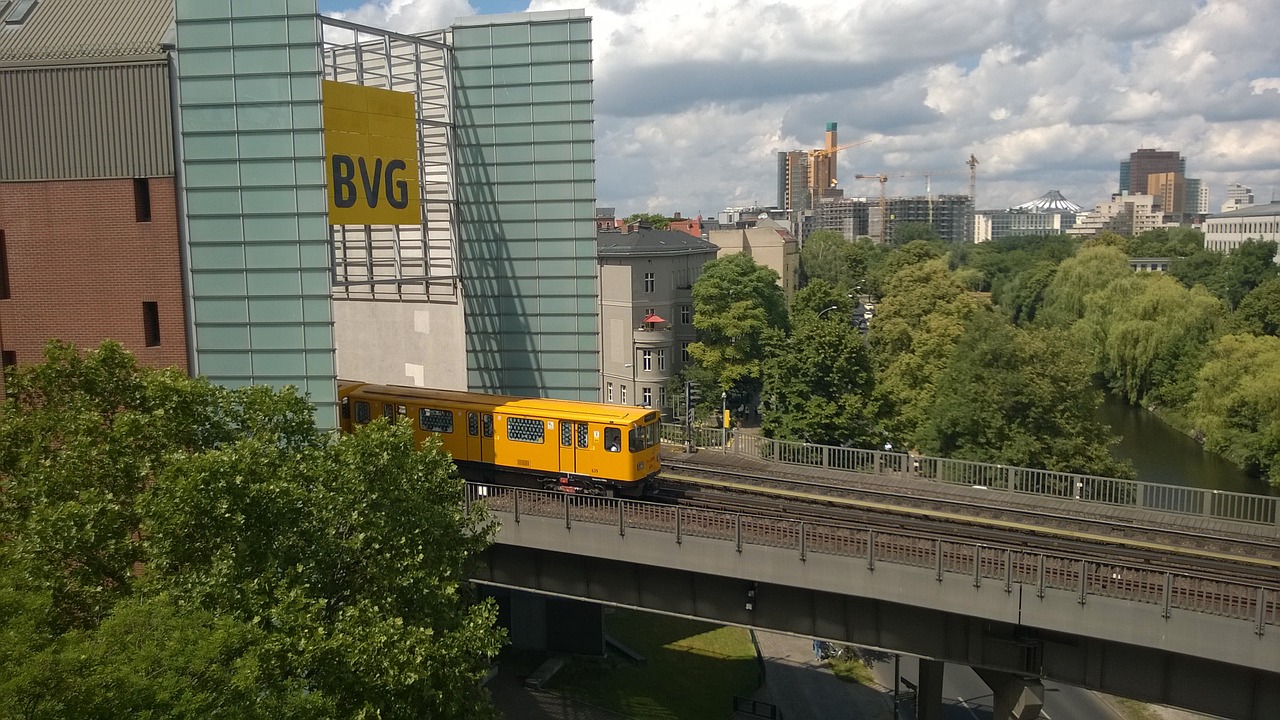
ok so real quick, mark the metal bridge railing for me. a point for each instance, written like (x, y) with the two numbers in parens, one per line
(977, 563)
(1216, 504)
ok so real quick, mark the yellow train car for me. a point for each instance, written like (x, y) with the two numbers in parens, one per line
(569, 445)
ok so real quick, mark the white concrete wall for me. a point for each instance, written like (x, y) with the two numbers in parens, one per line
(421, 344)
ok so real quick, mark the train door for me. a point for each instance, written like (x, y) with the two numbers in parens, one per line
(475, 446)
(486, 438)
(568, 460)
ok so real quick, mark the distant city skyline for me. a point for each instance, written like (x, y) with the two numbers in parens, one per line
(694, 100)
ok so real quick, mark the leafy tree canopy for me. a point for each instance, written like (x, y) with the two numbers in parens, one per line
(887, 265)
(273, 570)
(1259, 311)
(1018, 397)
(1092, 269)
(654, 220)
(828, 256)
(738, 309)
(1236, 403)
(1175, 242)
(1024, 296)
(908, 232)
(818, 384)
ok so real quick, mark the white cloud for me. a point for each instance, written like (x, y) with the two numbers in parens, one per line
(694, 98)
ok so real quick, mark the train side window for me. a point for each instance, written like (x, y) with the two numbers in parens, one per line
(566, 434)
(613, 439)
(525, 430)
(363, 414)
(582, 435)
(473, 424)
(346, 408)
(436, 421)
(488, 425)
(389, 411)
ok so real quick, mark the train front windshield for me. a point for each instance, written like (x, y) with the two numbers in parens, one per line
(643, 437)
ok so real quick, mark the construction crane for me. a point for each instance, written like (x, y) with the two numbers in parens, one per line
(973, 180)
(822, 167)
(884, 178)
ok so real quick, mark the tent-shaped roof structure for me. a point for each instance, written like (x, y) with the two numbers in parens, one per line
(1050, 202)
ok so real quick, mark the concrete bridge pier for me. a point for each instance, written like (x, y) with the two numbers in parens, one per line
(1014, 697)
(929, 691)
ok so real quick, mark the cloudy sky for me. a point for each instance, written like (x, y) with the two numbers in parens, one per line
(695, 97)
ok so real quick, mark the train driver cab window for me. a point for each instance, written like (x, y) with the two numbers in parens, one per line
(613, 439)
(363, 415)
(643, 437)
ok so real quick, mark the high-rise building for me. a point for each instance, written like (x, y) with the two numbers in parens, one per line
(1238, 197)
(1049, 214)
(793, 180)
(1147, 161)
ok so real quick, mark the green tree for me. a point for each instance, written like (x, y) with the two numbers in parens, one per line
(914, 331)
(1249, 265)
(1024, 296)
(818, 384)
(1149, 334)
(653, 220)
(1018, 397)
(828, 256)
(738, 309)
(1165, 242)
(1092, 269)
(1202, 267)
(328, 574)
(1236, 404)
(1259, 312)
(908, 232)
(887, 265)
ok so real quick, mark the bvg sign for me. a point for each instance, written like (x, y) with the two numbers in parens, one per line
(371, 155)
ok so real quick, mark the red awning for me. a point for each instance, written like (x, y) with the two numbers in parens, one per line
(653, 319)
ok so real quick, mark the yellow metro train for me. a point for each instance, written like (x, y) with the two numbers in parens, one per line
(568, 445)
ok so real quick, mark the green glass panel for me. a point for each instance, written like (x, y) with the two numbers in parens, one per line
(217, 257)
(215, 228)
(512, 114)
(559, 324)
(513, 75)
(583, 171)
(268, 200)
(510, 34)
(208, 283)
(555, 248)
(252, 61)
(312, 202)
(266, 31)
(515, 95)
(304, 87)
(279, 363)
(552, 112)
(207, 91)
(197, 119)
(308, 144)
(310, 171)
(554, 172)
(513, 134)
(209, 147)
(267, 116)
(276, 310)
(476, 76)
(555, 191)
(550, 53)
(553, 152)
(204, 62)
(271, 255)
(317, 309)
(225, 364)
(222, 336)
(580, 51)
(476, 96)
(318, 335)
(212, 202)
(212, 174)
(469, 56)
(303, 29)
(580, 91)
(214, 310)
(276, 337)
(582, 151)
(258, 7)
(580, 71)
(471, 35)
(304, 59)
(513, 192)
(272, 144)
(514, 153)
(551, 73)
(270, 228)
(551, 93)
(583, 131)
(196, 9)
(307, 116)
(320, 363)
(268, 172)
(512, 55)
(553, 132)
(259, 88)
(579, 30)
(313, 255)
(316, 283)
(549, 32)
(555, 268)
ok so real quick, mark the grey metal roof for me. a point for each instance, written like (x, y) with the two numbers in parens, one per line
(1263, 210)
(648, 241)
(87, 29)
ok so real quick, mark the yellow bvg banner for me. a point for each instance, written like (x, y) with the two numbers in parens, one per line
(371, 155)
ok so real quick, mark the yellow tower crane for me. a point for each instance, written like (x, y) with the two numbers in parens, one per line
(884, 221)
(822, 168)
(884, 178)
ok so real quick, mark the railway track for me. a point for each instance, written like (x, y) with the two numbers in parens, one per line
(976, 520)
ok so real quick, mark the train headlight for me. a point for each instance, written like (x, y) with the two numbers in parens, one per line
(640, 465)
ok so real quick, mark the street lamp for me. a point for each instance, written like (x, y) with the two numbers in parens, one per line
(827, 310)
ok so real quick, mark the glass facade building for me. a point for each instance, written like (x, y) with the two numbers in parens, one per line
(526, 203)
(251, 170)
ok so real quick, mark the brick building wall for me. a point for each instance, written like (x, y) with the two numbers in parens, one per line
(81, 265)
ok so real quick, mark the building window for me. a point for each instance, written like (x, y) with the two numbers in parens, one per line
(609, 396)
(648, 397)
(662, 396)
(648, 360)
(624, 395)
(684, 351)
(649, 283)
(4, 269)
(662, 360)
(151, 323)
(142, 199)
(686, 314)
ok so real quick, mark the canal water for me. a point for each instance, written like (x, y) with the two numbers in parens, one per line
(1163, 455)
